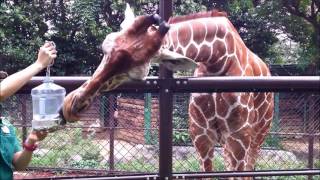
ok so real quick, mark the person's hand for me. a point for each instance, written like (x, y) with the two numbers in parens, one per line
(47, 54)
(36, 136)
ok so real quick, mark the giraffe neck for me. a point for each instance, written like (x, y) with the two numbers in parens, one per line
(212, 42)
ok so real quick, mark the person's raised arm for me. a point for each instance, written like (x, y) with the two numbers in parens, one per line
(14, 82)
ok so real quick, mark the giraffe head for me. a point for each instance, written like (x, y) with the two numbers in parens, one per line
(172, 60)
(126, 57)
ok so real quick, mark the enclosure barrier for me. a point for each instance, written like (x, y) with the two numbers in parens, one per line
(213, 174)
(167, 87)
(203, 84)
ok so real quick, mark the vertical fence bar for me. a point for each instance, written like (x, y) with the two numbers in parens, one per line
(166, 108)
(276, 118)
(310, 153)
(24, 117)
(147, 117)
(111, 101)
(307, 125)
(305, 114)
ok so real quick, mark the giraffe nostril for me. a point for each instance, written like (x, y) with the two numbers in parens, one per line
(164, 28)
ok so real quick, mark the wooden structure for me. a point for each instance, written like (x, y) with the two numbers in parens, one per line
(137, 120)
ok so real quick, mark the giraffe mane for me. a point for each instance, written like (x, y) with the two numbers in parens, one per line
(212, 13)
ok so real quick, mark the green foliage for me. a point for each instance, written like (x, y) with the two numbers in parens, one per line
(79, 27)
(317, 163)
(272, 141)
(85, 164)
(137, 165)
(19, 32)
(293, 19)
(181, 137)
(187, 7)
(253, 29)
(64, 146)
(181, 120)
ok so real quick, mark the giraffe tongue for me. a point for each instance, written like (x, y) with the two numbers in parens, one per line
(175, 61)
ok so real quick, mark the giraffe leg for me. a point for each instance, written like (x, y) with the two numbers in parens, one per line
(205, 151)
(237, 153)
(256, 144)
(204, 146)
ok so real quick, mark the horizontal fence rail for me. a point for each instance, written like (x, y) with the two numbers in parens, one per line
(206, 175)
(203, 84)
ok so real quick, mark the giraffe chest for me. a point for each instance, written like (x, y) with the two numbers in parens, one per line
(221, 114)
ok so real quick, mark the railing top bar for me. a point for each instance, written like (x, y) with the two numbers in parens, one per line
(279, 78)
(39, 78)
(82, 79)
(248, 173)
(198, 84)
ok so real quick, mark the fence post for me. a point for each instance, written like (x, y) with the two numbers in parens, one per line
(24, 117)
(276, 118)
(147, 118)
(310, 153)
(109, 116)
(165, 108)
(310, 130)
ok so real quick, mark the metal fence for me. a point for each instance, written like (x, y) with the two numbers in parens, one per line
(119, 135)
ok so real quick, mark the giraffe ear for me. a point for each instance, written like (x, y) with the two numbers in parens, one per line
(128, 19)
(175, 61)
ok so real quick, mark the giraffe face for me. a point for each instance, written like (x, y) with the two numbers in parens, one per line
(126, 57)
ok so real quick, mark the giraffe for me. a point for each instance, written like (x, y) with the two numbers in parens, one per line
(238, 121)
(208, 42)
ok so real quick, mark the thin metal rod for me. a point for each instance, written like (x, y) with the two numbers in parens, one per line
(248, 84)
(193, 175)
(111, 103)
(310, 154)
(203, 84)
(248, 173)
(120, 177)
(24, 117)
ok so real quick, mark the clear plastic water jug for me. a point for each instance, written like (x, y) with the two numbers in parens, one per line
(47, 99)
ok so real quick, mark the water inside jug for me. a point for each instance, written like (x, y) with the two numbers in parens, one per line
(47, 100)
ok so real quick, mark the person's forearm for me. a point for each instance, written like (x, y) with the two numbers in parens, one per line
(15, 81)
(21, 160)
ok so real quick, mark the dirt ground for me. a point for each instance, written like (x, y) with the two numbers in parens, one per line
(54, 174)
(300, 148)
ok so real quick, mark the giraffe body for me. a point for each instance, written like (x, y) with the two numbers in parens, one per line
(239, 121)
